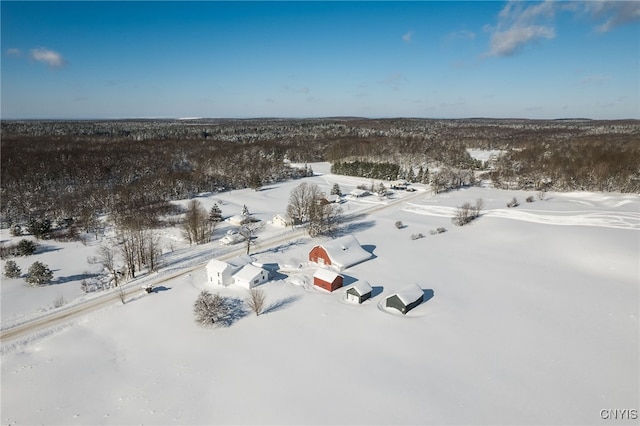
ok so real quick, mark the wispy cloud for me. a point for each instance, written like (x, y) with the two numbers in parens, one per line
(394, 80)
(595, 79)
(461, 35)
(302, 90)
(407, 37)
(612, 14)
(519, 24)
(50, 57)
(14, 52)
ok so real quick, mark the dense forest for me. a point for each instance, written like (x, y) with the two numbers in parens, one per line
(61, 170)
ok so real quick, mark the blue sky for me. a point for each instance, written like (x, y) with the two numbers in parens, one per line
(316, 59)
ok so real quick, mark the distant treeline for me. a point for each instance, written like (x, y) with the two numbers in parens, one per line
(59, 170)
(385, 171)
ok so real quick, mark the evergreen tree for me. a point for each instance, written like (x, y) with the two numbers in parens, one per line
(255, 182)
(420, 175)
(336, 189)
(215, 214)
(425, 176)
(11, 269)
(39, 274)
(39, 228)
(245, 210)
(411, 177)
(26, 247)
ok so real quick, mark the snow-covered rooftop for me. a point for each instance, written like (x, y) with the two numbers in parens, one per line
(345, 251)
(247, 273)
(326, 275)
(362, 287)
(409, 294)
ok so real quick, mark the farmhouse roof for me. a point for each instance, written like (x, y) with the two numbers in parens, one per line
(345, 251)
(326, 275)
(410, 294)
(240, 260)
(217, 265)
(235, 263)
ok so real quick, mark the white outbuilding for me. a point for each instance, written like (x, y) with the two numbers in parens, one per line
(250, 276)
(282, 220)
(359, 292)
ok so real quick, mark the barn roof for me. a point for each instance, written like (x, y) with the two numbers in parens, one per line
(362, 287)
(326, 275)
(410, 294)
(345, 251)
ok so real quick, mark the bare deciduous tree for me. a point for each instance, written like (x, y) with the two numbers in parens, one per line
(209, 308)
(301, 201)
(248, 231)
(256, 300)
(197, 226)
(106, 256)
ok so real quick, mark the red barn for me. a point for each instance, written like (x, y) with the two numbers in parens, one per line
(329, 280)
(340, 253)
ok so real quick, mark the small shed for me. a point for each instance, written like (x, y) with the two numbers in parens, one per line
(406, 299)
(359, 292)
(327, 279)
(250, 276)
(340, 253)
(282, 220)
(221, 273)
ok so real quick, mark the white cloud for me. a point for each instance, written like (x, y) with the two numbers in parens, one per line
(407, 37)
(519, 24)
(461, 35)
(49, 57)
(512, 40)
(14, 52)
(612, 14)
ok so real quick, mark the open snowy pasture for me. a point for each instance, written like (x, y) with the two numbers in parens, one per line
(530, 317)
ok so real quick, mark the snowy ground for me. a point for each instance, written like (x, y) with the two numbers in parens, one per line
(532, 319)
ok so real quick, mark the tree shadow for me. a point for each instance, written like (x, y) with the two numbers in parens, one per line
(236, 311)
(46, 249)
(281, 304)
(352, 228)
(79, 277)
(160, 288)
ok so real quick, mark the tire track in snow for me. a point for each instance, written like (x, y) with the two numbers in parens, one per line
(605, 219)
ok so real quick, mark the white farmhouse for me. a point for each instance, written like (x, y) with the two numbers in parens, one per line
(221, 273)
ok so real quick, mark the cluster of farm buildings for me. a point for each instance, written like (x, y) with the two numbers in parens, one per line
(331, 257)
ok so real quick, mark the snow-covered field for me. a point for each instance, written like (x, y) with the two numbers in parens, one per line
(533, 318)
